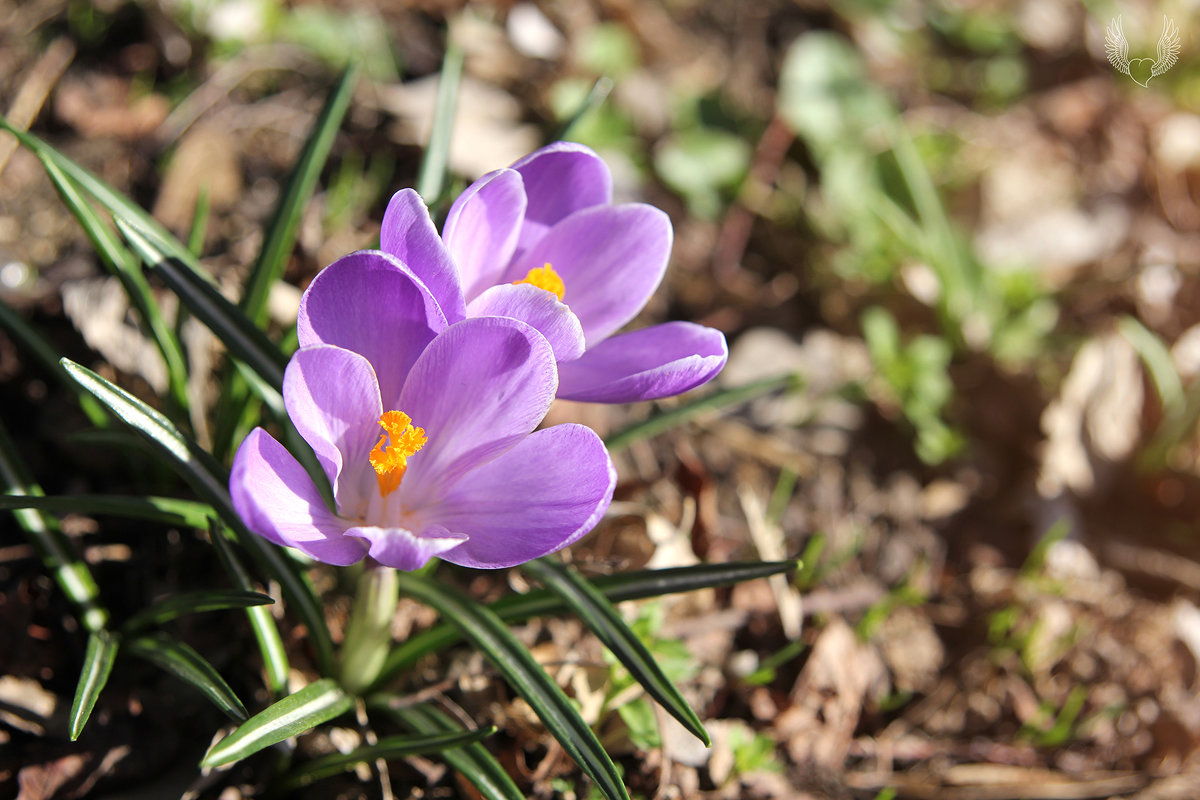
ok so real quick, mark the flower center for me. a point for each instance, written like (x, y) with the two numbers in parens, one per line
(545, 278)
(402, 439)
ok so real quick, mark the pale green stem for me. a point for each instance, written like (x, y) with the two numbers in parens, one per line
(368, 636)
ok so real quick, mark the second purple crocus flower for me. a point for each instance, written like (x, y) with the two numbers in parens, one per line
(425, 431)
(542, 242)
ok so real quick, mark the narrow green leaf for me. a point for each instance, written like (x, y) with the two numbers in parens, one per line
(433, 166)
(167, 510)
(243, 339)
(97, 664)
(56, 550)
(386, 748)
(121, 263)
(266, 632)
(665, 420)
(43, 352)
(193, 603)
(112, 200)
(293, 715)
(617, 588)
(185, 663)
(473, 761)
(514, 661)
(596, 96)
(1158, 361)
(591, 606)
(199, 227)
(281, 233)
(209, 481)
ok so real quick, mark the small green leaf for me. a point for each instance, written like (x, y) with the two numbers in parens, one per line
(617, 588)
(666, 420)
(193, 603)
(437, 154)
(244, 340)
(293, 715)
(97, 664)
(167, 510)
(281, 234)
(386, 748)
(266, 632)
(473, 761)
(121, 263)
(591, 606)
(185, 663)
(513, 660)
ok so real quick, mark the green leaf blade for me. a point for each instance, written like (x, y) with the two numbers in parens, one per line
(591, 606)
(193, 603)
(281, 234)
(514, 661)
(318, 702)
(167, 510)
(185, 663)
(97, 666)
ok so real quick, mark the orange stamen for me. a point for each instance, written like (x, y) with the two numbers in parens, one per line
(545, 278)
(402, 440)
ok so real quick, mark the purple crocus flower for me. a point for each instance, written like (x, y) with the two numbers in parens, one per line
(542, 242)
(426, 433)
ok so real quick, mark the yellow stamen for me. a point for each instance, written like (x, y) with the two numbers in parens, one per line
(403, 439)
(545, 278)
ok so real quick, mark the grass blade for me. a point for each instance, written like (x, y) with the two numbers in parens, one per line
(617, 588)
(591, 606)
(167, 510)
(121, 263)
(386, 748)
(185, 663)
(56, 550)
(243, 339)
(665, 420)
(433, 166)
(209, 481)
(473, 761)
(281, 234)
(266, 632)
(97, 665)
(193, 603)
(514, 661)
(293, 715)
(42, 351)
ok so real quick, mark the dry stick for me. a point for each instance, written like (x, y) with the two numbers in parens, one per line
(34, 91)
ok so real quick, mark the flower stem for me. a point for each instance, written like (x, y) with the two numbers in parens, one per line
(368, 636)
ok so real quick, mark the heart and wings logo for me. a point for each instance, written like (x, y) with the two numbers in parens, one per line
(1142, 70)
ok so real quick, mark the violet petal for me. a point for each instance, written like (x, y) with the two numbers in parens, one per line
(408, 234)
(403, 549)
(279, 502)
(369, 303)
(560, 179)
(659, 361)
(610, 258)
(482, 227)
(539, 308)
(478, 389)
(537, 498)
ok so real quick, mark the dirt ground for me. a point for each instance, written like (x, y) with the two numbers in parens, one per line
(1019, 620)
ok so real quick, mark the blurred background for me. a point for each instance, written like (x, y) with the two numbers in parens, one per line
(956, 253)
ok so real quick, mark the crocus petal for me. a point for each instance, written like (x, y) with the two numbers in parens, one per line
(659, 361)
(539, 497)
(539, 308)
(368, 302)
(279, 502)
(482, 227)
(403, 549)
(408, 234)
(332, 397)
(610, 258)
(479, 387)
(560, 178)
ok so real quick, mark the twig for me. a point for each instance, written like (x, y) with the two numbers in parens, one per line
(34, 91)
